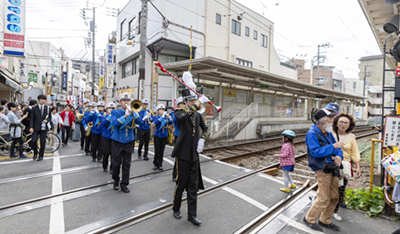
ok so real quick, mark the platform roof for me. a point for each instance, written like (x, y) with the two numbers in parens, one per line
(377, 14)
(217, 70)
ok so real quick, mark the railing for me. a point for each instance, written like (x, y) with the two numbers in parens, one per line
(233, 125)
(222, 119)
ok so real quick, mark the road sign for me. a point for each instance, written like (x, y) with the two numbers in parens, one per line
(398, 71)
(391, 136)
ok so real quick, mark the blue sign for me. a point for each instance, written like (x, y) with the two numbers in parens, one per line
(288, 111)
(64, 81)
(109, 56)
(357, 113)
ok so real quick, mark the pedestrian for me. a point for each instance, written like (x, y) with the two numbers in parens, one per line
(87, 122)
(4, 127)
(122, 121)
(26, 122)
(76, 134)
(179, 103)
(82, 128)
(343, 125)
(68, 119)
(143, 131)
(97, 130)
(57, 122)
(4, 104)
(324, 157)
(162, 122)
(41, 117)
(16, 130)
(18, 111)
(312, 113)
(106, 135)
(287, 160)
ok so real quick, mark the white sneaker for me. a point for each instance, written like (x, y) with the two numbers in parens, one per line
(337, 217)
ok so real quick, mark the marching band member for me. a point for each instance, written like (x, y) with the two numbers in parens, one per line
(143, 132)
(179, 103)
(187, 149)
(88, 118)
(162, 120)
(97, 130)
(106, 135)
(123, 121)
(82, 111)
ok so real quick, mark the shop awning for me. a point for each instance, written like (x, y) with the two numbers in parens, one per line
(5, 79)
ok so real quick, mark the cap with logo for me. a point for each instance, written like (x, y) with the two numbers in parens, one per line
(333, 107)
(124, 96)
(92, 104)
(110, 105)
(100, 103)
(178, 101)
(145, 101)
(160, 106)
(322, 113)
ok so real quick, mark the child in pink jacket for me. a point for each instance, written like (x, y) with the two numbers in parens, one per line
(287, 159)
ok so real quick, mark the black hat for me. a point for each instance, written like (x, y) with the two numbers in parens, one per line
(11, 104)
(187, 95)
(42, 96)
(322, 113)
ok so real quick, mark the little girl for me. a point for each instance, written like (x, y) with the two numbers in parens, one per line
(287, 159)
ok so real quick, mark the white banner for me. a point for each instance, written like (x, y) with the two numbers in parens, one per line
(14, 28)
(110, 78)
(24, 70)
(101, 72)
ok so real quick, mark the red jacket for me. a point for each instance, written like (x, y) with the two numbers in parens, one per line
(71, 117)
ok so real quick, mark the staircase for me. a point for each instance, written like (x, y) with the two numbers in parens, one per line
(230, 125)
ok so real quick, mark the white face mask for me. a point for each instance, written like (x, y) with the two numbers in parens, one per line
(328, 127)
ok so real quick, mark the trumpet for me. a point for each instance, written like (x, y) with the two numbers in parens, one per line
(90, 125)
(136, 105)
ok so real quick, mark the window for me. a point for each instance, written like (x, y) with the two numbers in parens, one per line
(354, 85)
(323, 80)
(247, 31)
(337, 85)
(218, 19)
(299, 66)
(131, 29)
(123, 30)
(244, 62)
(264, 40)
(129, 68)
(166, 58)
(255, 35)
(236, 27)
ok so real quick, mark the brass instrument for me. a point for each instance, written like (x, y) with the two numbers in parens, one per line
(136, 105)
(90, 125)
(79, 116)
(202, 108)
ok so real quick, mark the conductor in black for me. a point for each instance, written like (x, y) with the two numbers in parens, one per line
(186, 150)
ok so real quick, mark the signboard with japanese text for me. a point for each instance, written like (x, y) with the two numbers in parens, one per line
(14, 28)
(258, 98)
(110, 78)
(101, 84)
(110, 54)
(128, 90)
(391, 136)
(101, 72)
(64, 80)
(32, 77)
(24, 70)
(288, 111)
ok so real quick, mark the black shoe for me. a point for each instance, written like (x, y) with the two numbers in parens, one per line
(173, 179)
(177, 214)
(312, 225)
(160, 168)
(125, 189)
(93, 160)
(81, 148)
(343, 205)
(116, 186)
(99, 160)
(111, 171)
(40, 159)
(145, 158)
(194, 220)
(87, 154)
(139, 156)
(329, 226)
(105, 170)
(34, 157)
(155, 168)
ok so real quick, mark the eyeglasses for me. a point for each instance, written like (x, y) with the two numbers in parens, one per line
(344, 123)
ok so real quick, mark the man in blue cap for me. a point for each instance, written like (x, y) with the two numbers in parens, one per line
(143, 131)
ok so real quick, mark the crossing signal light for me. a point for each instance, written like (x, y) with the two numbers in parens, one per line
(392, 25)
(83, 13)
(395, 51)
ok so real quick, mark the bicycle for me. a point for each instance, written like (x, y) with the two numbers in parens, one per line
(53, 142)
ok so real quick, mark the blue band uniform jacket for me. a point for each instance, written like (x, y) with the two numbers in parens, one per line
(106, 126)
(97, 127)
(123, 127)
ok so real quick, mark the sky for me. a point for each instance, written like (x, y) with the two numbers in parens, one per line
(300, 26)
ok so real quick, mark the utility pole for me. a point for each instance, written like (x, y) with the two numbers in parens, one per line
(323, 45)
(93, 48)
(143, 41)
(365, 83)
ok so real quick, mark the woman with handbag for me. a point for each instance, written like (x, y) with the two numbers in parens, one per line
(343, 125)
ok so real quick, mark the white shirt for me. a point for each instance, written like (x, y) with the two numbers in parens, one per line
(41, 108)
(56, 119)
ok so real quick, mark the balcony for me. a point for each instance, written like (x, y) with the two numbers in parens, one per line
(375, 111)
(375, 101)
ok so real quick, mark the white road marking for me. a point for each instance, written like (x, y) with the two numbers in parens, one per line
(57, 207)
(46, 157)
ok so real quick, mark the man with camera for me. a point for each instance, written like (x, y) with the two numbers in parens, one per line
(325, 158)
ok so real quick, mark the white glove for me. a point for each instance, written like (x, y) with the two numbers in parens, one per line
(200, 145)
(164, 114)
(127, 112)
(148, 114)
(128, 109)
(86, 128)
(145, 118)
(97, 111)
(203, 99)
(167, 116)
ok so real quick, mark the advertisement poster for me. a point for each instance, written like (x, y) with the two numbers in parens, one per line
(128, 90)
(208, 91)
(14, 27)
(268, 99)
(4, 62)
(258, 98)
(229, 95)
(101, 83)
(279, 102)
(287, 101)
(32, 77)
(240, 96)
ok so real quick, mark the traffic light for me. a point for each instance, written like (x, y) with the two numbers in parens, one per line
(392, 25)
(83, 13)
(395, 51)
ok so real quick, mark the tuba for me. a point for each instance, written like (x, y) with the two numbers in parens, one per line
(136, 105)
(90, 125)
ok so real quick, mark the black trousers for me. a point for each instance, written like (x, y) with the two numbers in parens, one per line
(121, 155)
(174, 170)
(88, 141)
(187, 178)
(106, 145)
(159, 147)
(20, 146)
(42, 134)
(97, 150)
(342, 194)
(83, 136)
(65, 134)
(144, 138)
